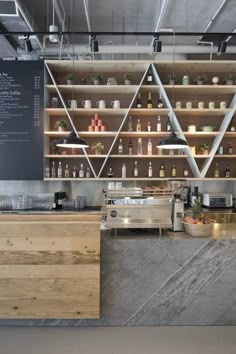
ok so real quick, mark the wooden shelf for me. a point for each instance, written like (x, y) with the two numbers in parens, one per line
(93, 89)
(201, 112)
(86, 112)
(81, 133)
(148, 156)
(201, 89)
(92, 156)
(148, 112)
(140, 179)
(225, 156)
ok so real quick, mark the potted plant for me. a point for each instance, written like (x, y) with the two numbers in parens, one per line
(229, 79)
(96, 78)
(200, 79)
(204, 149)
(61, 125)
(69, 79)
(98, 148)
(127, 79)
(171, 79)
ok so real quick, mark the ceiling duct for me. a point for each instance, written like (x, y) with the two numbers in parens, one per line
(8, 8)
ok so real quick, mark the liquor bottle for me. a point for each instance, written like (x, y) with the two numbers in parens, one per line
(47, 172)
(149, 101)
(173, 171)
(53, 170)
(158, 124)
(162, 170)
(120, 147)
(168, 126)
(135, 169)
(67, 172)
(130, 124)
(88, 174)
(110, 173)
(216, 171)
(149, 127)
(139, 101)
(227, 172)
(185, 171)
(220, 150)
(123, 171)
(54, 204)
(139, 147)
(150, 169)
(81, 171)
(230, 149)
(59, 170)
(130, 148)
(149, 147)
(194, 195)
(149, 80)
(138, 126)
(160, 103)
(74, 173)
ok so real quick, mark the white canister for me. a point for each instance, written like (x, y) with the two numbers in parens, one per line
(178, 105)
(200, 105)
(211, 105)
(223, 105)
(189, 105)
(185, 80)
(191, 128)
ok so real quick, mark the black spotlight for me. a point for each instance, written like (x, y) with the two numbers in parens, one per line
(222, 47)
(27, 43)
(94, 44)
(157, 45)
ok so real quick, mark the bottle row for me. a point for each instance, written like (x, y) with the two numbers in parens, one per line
(138, 126)
(59, 172)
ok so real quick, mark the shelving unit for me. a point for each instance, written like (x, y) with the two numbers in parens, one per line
(116, 120)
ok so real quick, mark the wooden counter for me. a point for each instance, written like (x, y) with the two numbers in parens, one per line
(50, 266)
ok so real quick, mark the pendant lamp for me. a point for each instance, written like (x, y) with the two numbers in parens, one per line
(172, 142)
(72, 141)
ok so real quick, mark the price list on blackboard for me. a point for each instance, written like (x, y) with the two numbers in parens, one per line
(21, 120)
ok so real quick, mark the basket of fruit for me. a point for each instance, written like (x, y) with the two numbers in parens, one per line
(198, 224)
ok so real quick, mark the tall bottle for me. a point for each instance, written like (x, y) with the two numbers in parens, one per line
(173, 171)
(67, 172)
(135, 169)
(158, 124)
(130, 148)
(185, 171)
(230, 149)
(162, 170)
(149, 147)
(139, 101)
(150, 169)
(168, 126)
(194, 195)
(88, 173)
(138, 126)
(149, 100)
(216, 171)
(140, 147)
(160, 103)
(123, 171)
(149, 80)
(47, 172)
(149, 127)
(120, 147)
(227, 172)
(53, 170)
(81, 171)
(130, 124)
(74, 172)
(59, 170)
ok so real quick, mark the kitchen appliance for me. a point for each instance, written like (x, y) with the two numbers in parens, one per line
(217, 200)
(177, 215)
(59, 197)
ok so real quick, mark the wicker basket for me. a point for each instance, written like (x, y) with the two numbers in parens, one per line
(199, 230)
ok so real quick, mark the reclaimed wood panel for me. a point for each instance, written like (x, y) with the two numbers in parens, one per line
(49, 267)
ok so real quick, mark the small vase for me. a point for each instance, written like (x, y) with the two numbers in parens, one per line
(171, 82)
(97, 82)
(127, 82)
(69, 82)
(61, 129)
(98, 152)
(199, 82)
(229, 82)
(205, 152)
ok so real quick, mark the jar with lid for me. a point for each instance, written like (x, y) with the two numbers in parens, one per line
(185, 80)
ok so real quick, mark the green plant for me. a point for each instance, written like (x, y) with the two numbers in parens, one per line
(60, 123)
(197, 209)
(97, 77)
(229, 77)
(69, 77)
(204, 147)
(202, 78)
(171, 77)
(99, 147)
(128, 77)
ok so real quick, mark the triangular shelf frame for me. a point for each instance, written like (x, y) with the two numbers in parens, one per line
(124, 120)
(216, 142)
(68, 115)
(175, 123)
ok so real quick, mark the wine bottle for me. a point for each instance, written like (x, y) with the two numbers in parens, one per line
(150, 169)
(173, 171)
(162, 170)
(88, 174)
(216, 171)
(138, 126)
(81, 171)
(185, 171)
(139, 147)
(139, 101)
(149, 127)
(123, 171)
(67, 172)
(149, 101)
(135, 169)
(74, 173)
(149, 147)
(53, 170)
(47, 172)
(227, 172)
(168, 126)
(110, 173)
(130, 148)
(130, 125)
(120, 147)
(59, 170)
(230, 149)
(160, 103)
(158, 124)
(149, 80)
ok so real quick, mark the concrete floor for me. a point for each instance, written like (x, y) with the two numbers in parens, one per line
(118, 340)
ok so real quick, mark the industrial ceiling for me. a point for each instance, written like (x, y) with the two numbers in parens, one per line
(160, 16)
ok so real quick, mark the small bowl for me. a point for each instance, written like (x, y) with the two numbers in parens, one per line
(207, 128)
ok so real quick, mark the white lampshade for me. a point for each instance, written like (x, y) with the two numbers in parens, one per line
(53, 37)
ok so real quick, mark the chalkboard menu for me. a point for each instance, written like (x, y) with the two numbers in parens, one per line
(21, 120)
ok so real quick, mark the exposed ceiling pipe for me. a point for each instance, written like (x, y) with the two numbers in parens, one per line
(87, 15)
(160, 17)
(28, 24)
(214, 17)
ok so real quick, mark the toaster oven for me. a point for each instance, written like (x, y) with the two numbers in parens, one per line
(217, 200)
